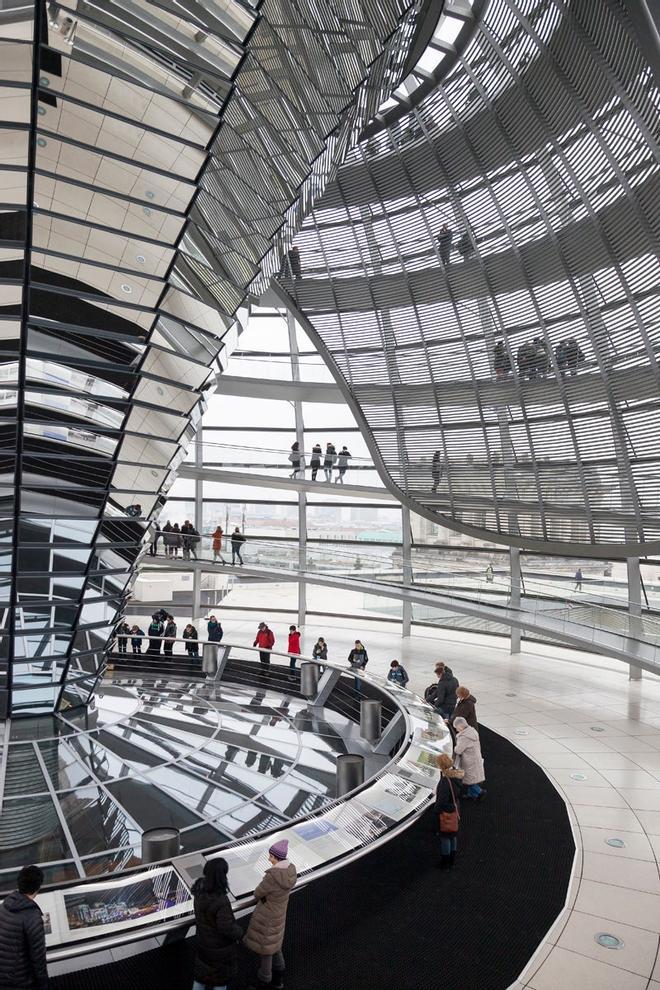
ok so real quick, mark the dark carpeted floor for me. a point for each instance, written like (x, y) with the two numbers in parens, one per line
(391, 921)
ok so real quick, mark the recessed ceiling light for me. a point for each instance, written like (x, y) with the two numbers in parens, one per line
(126, 288)
(616, 843)
(160, 390)
(146, 211)
(150, 194)
(140, 258)
(42, 142)
(578, 776)
(44, 81)
(41, 110)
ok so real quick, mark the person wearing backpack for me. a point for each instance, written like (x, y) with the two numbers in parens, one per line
(155, 632)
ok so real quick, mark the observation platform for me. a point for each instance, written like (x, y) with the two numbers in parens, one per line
(233, 759)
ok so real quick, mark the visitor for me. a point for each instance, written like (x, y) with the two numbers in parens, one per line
(448, 809)
(501, 360)
(574, 355)
(265, 932)
(214, 630)
(294, 262)
(167, 530)
(329, 460)
(436, 470)
(217, 544)
(22, 935)
(445, 695)
(358, 660)
(578, 580)
(265, 640)
(315, 462)
(465, 707)
(490, 574)
(398, 674)
(526, 360)
(137, 636)
(189, 537)
(296, 460)
(122, 633)
(467, 752)
(444, 239)
(320, 651)
(294, 646)
(343, 458)
(542, 360)
(217, 933)
(465, 246)
(155, 633)
(170, 636)
(156, 535)
(175, 540)
(237, 541)
(192, 641)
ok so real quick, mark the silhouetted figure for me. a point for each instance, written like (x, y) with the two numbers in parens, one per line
(578, 579)
(501, 360)
(465, 246)
(237, 541)
(574, 355)
(329, 461)
(436, 470)
(526, 359)
(296, 460)
(444, 239)
(342, 464)
(315, 462)
(541, 357)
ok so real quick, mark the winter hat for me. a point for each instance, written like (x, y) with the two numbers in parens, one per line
(280, 850)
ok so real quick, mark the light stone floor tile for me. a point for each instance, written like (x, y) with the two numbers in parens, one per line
(637, 845)
(641, 798)
(604, 797)
(592, 778)
(650, 821)
(639, 950)
(631, 907)
(615, 761)
(631, 779)
(563, 969)
(632, 873)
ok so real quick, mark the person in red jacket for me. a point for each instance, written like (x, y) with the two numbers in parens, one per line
(265, 640)
(294, 645)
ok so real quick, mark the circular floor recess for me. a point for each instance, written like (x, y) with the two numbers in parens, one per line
(80, 791)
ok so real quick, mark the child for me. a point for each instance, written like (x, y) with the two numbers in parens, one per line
(136, 639)
(398, 674)
(294, 645)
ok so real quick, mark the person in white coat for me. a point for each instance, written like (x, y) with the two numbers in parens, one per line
(467, 753)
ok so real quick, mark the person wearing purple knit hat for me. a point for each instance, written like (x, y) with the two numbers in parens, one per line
(265, 932)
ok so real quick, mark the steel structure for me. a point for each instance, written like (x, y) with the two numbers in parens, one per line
(156, 158)
(482, 276)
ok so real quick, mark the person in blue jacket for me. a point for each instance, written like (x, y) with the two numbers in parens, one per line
(398, 674)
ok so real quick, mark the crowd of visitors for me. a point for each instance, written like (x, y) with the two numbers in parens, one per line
(330, 460)
(534, 359)
(187, 539)
(461, 777)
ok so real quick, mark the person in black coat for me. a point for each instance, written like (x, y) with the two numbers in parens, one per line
(22, 938)
(191, 638)
(445, 695)
(218, 934)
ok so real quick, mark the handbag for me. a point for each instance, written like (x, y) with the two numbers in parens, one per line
(449, 819)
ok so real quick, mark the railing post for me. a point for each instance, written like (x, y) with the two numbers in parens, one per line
(350, 773)
(309, 679)
(370, 719)
(160, 843)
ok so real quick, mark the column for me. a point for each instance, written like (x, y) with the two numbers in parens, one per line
(406, 547)
(302, 497)
(634, 610)
(514, 600)
(198, 522)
